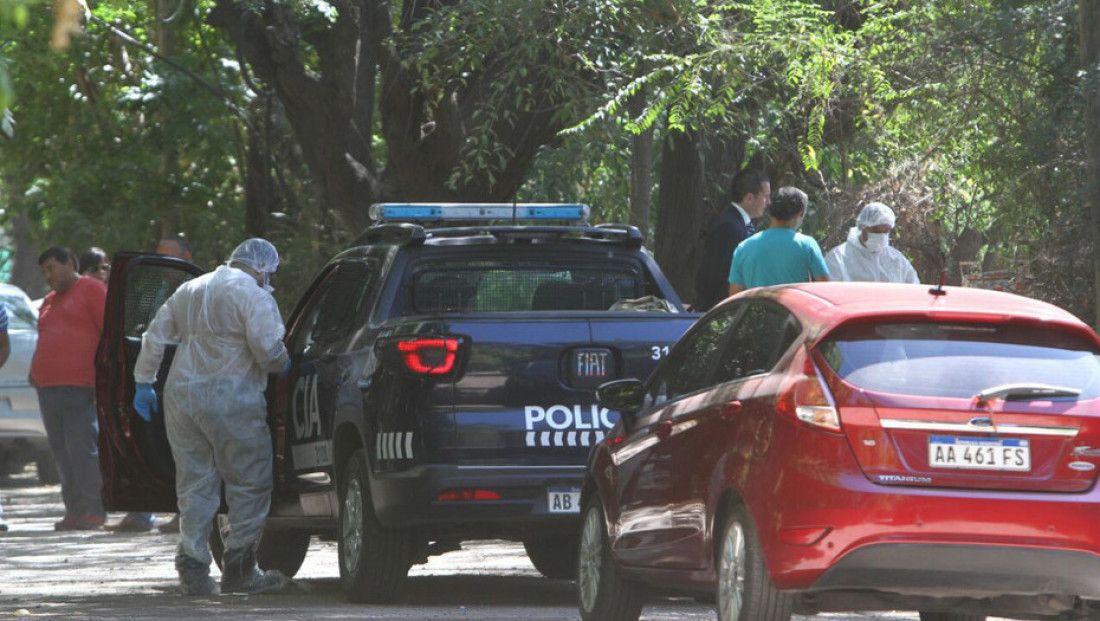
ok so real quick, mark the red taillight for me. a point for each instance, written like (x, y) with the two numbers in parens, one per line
(434, 356)
(466, 495)
(618, 438)
(805, 397)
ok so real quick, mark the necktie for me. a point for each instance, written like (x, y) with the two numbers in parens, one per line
(751, 228)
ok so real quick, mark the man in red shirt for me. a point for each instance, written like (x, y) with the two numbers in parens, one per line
(63, 371)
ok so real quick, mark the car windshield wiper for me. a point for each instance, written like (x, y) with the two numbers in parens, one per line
(1026, 392)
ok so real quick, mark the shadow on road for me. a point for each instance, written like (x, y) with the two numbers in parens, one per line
(427, 597)
(103, 575)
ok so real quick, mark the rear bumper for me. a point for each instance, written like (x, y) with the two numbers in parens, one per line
(20, 416)
(946, 570)
(410, 497)
(922, 541)
(22, 433)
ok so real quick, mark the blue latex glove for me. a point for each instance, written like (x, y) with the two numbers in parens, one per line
(286, 369)
(145, 401)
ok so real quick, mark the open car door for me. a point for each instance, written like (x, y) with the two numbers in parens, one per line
(136, 460)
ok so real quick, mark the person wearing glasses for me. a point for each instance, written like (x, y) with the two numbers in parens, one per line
(94, 263)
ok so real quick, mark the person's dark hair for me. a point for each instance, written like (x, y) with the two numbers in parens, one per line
(60, 254)
(788, 202)
(179, 240)
(747, 182)
(93, 257)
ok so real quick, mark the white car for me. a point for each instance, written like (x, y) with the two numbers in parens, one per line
(22, 436)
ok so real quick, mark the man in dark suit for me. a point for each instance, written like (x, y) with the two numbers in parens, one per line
(751, 193)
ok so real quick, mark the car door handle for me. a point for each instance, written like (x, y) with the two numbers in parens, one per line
(664, 429)
(730, 410)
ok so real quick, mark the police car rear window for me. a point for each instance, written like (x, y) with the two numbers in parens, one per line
(495, 286)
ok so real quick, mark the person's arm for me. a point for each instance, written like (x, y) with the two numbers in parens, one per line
(737, 268)
(161, 332)
(910, 273)
(265, 332)
(818, 271)
(834, 264)
(97, 302)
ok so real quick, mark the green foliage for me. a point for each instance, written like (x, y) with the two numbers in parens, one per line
(966, 115)
(987, 101)
(108, 141)
(745, 69)
(515, 59)
(114, 147)
(592, 167)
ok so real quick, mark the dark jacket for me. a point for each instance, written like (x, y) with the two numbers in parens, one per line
(712, 282)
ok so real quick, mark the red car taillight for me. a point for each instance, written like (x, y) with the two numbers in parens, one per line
(430, 356)
(467, 495)
(805, 397)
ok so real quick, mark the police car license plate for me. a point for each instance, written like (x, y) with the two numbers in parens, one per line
(979, 453)
(563, 499)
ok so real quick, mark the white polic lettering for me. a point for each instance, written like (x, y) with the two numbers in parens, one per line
(565, 423)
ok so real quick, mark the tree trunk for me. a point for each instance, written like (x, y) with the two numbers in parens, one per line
(696, 172)
(25, 272)
(641, 165)
(169, 208)
(679, 206)
(259, 194)
(359, 63)
(1090, 60)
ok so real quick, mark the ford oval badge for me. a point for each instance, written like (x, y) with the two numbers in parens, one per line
(1082, 466)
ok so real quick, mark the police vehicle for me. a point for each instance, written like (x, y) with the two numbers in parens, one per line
(442, 387)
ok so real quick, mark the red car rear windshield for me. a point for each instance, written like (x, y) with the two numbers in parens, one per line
(960, 360)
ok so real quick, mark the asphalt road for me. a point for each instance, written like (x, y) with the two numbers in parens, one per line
(101, 575)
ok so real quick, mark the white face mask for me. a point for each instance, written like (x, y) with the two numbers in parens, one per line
(266, 286)
(876, 242)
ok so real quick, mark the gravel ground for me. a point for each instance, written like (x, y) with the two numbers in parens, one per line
(102, 575)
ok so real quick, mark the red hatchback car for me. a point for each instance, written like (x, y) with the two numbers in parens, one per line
(855, 446)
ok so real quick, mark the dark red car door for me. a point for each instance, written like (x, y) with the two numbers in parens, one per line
(134, 455)
(656, 510)
(707, 427)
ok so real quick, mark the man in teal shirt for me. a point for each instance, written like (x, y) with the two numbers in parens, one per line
(779, 254)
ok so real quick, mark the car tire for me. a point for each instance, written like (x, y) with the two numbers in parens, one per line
(284, 550)
(949, 616)
(47, 469)
(555, 556)
(602, 592)
(374, 559)
(745, 590)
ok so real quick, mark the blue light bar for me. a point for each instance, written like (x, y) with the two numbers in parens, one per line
(478, 211)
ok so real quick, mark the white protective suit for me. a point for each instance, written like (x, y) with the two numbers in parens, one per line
(230, 336)
(852, 261)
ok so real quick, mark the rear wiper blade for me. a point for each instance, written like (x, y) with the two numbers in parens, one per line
(1026, 392)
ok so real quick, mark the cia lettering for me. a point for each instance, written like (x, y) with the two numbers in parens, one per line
(306, 414)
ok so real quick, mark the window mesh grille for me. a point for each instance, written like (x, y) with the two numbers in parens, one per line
(519, 290)
(147, 288)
